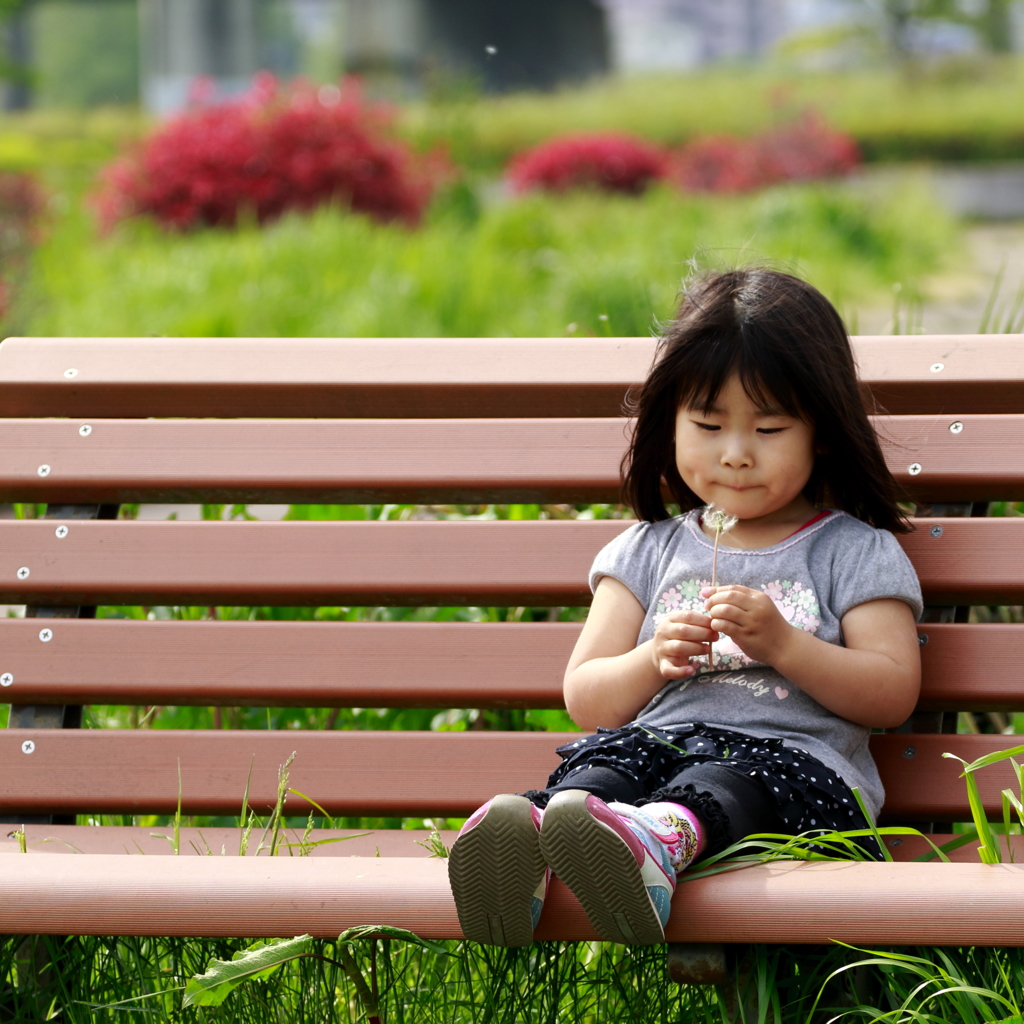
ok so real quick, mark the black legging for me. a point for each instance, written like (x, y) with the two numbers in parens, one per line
(730, 804)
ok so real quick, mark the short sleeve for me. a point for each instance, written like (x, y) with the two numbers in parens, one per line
(872, 566)
(632, 559)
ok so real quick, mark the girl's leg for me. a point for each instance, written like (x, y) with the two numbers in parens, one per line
(731, 804)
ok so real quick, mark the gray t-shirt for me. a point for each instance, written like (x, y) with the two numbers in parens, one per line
(814, 577)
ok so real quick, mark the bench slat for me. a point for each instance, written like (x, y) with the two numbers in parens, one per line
(424, 377)
(367, 664)
(972, 561)
(888, 904)
(428, 461)
(386, 773)
(137, 840)
(288, 664)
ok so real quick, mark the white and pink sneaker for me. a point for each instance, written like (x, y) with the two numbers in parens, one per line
(497, 873)
(620, 861)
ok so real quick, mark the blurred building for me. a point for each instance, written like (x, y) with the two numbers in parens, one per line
(669, 35)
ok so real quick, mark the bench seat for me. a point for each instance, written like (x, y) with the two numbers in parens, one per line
(862, 904)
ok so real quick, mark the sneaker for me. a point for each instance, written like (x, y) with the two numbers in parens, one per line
(621, 874)
(497, 874)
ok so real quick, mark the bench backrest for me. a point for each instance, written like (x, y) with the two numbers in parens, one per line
(426, 421)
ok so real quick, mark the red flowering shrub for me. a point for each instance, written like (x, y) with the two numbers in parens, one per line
(806, 150)
(617, 163)
(272, 150)
(802, 151)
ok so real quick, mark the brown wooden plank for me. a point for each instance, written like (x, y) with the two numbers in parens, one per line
(366, 664)
(354, 773)
(452, 377)
(415, 563)
(134, 840)
(890, 904)
(972, 668)
(154, 841)
(429, 461)
(971, 561)
(345, 461)
(287, 664)
(922, 785)
(387, 773)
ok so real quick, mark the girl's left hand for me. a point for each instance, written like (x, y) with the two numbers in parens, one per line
(750, 619)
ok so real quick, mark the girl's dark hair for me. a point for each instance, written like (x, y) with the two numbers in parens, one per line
(791, 350)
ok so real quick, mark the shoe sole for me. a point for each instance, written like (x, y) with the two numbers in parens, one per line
(494, 870)
(601, 870)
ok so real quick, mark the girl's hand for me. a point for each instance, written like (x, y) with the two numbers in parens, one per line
(679, 637)
(750, 619)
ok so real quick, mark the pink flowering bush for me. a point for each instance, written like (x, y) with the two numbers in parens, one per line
(276, 148)
(804, 150)
(613, 162)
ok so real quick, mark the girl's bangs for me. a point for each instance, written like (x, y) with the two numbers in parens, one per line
(764, 374)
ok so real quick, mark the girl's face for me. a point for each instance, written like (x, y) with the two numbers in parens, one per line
(750, 461)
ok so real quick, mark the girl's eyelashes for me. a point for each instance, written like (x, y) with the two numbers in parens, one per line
(770, 430)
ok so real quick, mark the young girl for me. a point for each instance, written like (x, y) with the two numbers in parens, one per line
(752, 405)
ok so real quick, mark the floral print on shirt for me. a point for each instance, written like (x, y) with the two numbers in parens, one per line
(796, 602)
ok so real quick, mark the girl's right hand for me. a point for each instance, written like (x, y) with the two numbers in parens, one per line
(679, 637)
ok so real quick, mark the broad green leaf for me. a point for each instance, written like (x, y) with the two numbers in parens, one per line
(259, 960)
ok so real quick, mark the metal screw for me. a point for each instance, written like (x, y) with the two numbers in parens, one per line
(28, 746)
(85, 430)
(70, 373)
(956, 427)
(61, 531)
(936, 531)
(914, 468)
(937, 367)
(922, 639)
(23, 572)
(6, 679)
(910, 752)
(895, 842)
(46, 635)
(43, 470)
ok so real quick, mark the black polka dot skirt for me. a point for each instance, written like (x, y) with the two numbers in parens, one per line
(809, 796)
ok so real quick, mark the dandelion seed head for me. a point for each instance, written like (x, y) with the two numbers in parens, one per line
(718, 519)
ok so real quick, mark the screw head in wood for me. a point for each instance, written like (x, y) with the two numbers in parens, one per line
(936, 531)
(24, 572)
(922, 639)
(46, 635)
(910, 752)
(937, 367)
(6, 679)
(70, 373)
(43, 470)
(61, 531)
(85, 430)
(28, 746)
(956, 427)
(914, 468)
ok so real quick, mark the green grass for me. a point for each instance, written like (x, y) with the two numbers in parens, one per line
(83, 979)
(960, 111)
(520, 267)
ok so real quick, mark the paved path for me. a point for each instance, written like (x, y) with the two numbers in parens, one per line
(955, 301)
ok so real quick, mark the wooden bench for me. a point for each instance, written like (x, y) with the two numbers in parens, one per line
(91, 424)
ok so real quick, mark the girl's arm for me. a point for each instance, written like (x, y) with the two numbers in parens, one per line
(609, 679)
(874, 680)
